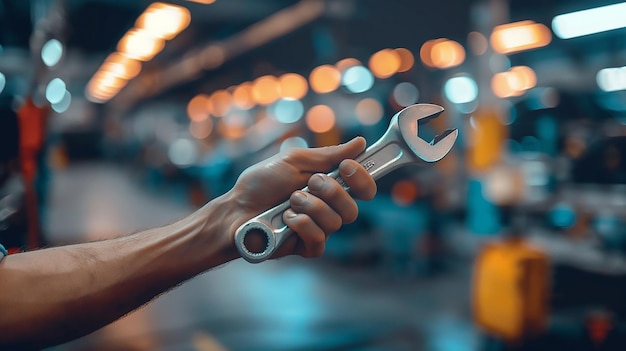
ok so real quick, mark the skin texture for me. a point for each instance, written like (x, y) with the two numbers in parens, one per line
(54, 295)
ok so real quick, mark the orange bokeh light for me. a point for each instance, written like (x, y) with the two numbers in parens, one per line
(525, 77)
(426, 49)
(164, 21)
(447, 54)
(369, 111)
(320, 119)
(140, 45)
(346, 63)
(198, 108)
(220, 103)
(266, 90)
(242, 96)
(519, 36)
(293, 86)
(325, 79)
(121, 66)
(406, 59)
(513, 82)
(201, 129)
(385, 63)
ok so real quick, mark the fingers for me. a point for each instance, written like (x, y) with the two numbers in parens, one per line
(361, 184)
(327, 206)
(312, 238)
(323, 159)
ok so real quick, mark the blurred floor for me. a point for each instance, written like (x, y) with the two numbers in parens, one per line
(290, 304)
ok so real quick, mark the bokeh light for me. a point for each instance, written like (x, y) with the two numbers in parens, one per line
(287, 110)
(183, 152)
(461, 89)
(346, 63)
(64, 104)
(198, 108)
(121, 66)
(447, 54)
(164, 21)
(320, 119)
(612, 79)
(140, 45)
(369, 111)
(202, 129)
(221, 101)
(405, 94)
(293, 143)
(478, 43)
(325, 79)
(293, 86)
(358, 79)
(385, 63)
(242, 96)
(266, 90)
(426, 49)
(51, 52)
(519, 36)
(406, 59)
(55, 90)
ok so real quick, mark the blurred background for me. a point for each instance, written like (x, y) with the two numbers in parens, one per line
(123, 115)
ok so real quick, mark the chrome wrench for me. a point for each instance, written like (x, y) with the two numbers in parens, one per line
(400, 145)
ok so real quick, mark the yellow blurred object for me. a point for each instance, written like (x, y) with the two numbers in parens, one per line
(220, 103)
(510, 289)
(140, 45)
(486, 138)
(426, 49)
(519, 36)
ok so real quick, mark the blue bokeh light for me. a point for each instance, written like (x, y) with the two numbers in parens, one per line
(461, 90)
(287, 110)
(358, 79)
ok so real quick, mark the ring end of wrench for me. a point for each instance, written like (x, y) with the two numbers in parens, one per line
(255, 228)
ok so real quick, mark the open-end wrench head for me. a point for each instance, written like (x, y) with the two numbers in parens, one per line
(408, 120)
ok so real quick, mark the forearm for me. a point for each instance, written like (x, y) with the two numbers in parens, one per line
(53, 295)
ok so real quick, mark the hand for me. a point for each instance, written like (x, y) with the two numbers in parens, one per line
(314, 215)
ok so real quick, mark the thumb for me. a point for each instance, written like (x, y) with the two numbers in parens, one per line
(326, 158)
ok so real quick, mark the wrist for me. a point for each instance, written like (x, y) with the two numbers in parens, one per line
(215, 224)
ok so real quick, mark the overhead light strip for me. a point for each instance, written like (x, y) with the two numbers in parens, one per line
(586, 22)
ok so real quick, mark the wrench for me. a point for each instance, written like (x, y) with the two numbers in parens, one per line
(400, 145)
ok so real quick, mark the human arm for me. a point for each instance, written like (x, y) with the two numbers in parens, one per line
(54, 295)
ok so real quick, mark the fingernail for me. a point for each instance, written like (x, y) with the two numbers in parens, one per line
(317, 182)
(348, 170)
(290, 214)
(298, 198)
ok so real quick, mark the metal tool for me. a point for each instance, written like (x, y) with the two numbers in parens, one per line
(399, 146)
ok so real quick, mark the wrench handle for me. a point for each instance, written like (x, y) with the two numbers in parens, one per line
(270, 227)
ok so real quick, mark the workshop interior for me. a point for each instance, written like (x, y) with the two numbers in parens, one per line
(117, 116)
